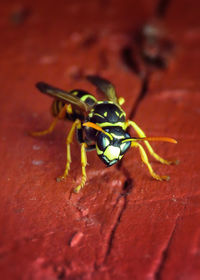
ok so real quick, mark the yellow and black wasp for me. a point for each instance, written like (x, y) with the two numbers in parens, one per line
(99, 125)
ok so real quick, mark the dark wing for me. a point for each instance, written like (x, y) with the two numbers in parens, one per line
(105, 86)
(62, 95)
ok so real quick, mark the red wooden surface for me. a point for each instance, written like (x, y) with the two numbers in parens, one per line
(123, 224)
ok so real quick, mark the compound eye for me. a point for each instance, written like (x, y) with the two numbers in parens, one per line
(124, 147)
(103, 141)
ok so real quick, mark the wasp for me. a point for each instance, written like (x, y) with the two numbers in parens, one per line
(99, 125)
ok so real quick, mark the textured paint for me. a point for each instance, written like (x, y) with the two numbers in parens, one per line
(123, 224)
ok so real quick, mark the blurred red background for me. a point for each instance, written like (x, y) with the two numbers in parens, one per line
(123, 224)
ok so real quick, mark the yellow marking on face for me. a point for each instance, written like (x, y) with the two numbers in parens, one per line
(112, 152)
(105, 114)
(117, 136)
(75, 93)
(106, 142)
(117, 113)
(99, 152)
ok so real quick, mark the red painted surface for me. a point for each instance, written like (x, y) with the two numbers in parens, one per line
(148, 230)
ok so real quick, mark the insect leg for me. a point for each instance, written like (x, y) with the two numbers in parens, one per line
(60, 116)
(79, 135)
(146, 161)
(83, 164)
(141, 133)
(76, 124)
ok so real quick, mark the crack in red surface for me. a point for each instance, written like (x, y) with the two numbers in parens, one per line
(123, 196)
(164, 254)
(135, 68)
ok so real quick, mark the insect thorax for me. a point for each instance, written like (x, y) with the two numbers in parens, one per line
(106, 113)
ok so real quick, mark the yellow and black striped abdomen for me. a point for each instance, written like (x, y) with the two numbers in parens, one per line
(75, 113)
(71, 115)
(56, 107)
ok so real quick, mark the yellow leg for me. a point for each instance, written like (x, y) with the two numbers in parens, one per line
(76, 124)
(141, 133)
(61, 115)
(146, 161)
(83, 164)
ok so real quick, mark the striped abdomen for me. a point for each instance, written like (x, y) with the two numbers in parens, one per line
(76, 113)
